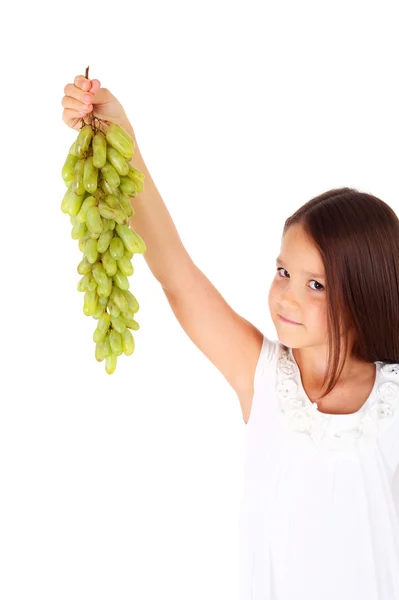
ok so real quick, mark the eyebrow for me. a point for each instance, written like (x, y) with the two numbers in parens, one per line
(278, 260)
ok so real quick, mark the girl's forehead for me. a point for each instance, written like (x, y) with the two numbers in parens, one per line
(300, 253)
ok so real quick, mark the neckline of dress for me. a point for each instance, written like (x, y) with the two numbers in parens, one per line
(309, 402)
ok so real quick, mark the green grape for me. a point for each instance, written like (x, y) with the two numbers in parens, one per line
(99, 150)
(120, 280)
(131, 301)
(90, 302)
(109, 263)
(136, 175)
(99, 351)
(118, 324)
(127, 342)
(110, 174)
(108, 224)
(131, 239)
(83, 242)
(116, 159)
(91, 282)
(115, 341)
(87, 203)
(138, 178)
(72, 149)
(84, 266)
(100, 309)
(77, 184)
(112, 201)
(127, 186)
(119, 299)
(78, 230)
(107, 347)
(124, 201)
(129, 314)
(106, 211)
(90, 175)
(121, 217)
(124, 220)
(105, 224)
(110, 363)
(105, 287)
(106, 188)
(101, 300)
(116, 248)
(68, 168)
(104, 241)
(83, 140)
(113, 309)
(116, 212)
(119, 139)
(93, 220)
(99, 274)
(91, 251)
(103, 291)
(71, 202)
(110, 285)
(132, 324)
(102, 327)
(125, 266)
(102, 350)
(82, 283)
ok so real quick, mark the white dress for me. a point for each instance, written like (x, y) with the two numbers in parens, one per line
(319, 517)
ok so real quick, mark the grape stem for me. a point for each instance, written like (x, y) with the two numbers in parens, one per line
(92, 118)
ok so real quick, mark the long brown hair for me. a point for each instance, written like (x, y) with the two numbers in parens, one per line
(357, 235)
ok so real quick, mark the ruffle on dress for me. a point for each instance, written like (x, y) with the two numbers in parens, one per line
(302, 415)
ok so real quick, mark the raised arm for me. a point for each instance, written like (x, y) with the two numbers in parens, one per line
(230, 342)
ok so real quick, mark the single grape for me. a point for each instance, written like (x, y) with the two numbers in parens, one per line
(128, 344)
(110, 363)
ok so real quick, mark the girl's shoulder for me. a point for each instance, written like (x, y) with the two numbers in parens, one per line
(263, 370)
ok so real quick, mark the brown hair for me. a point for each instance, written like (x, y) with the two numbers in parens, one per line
(357, 236)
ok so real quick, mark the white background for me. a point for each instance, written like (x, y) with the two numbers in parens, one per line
(129, 485)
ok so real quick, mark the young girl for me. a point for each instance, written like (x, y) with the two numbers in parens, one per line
(319, 518)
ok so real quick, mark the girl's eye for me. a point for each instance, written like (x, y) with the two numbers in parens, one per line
(317, 283)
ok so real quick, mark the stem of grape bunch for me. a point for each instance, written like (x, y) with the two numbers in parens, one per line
(94, 122)
(100, 182)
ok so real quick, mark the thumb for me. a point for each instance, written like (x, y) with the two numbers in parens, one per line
(95, 86)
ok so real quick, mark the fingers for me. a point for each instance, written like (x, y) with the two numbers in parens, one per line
(81, 108)
(74, 92)
(74, 111)
(78, 99)
(95, 86)
(85, 84)
(72, 120)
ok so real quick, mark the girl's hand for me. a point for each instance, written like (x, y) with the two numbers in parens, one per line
(85, 96)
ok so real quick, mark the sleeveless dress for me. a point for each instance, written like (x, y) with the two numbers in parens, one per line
(319, 516)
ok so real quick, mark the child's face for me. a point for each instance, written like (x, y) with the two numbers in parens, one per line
(297, 295)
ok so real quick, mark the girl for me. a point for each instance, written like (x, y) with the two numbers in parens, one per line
(319, 518)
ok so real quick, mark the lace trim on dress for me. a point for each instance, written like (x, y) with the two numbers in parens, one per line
(302, 415)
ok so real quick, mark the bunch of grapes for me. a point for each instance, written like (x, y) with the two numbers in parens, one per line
(100, 181)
